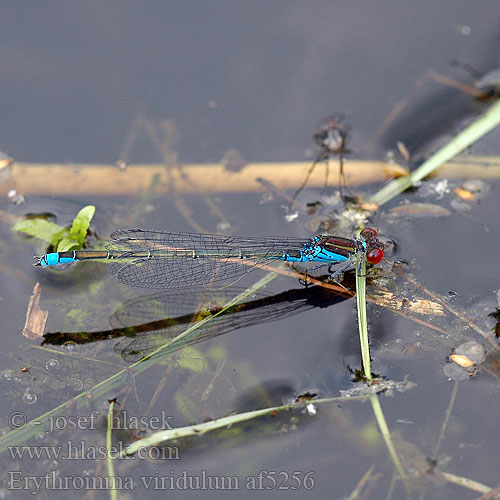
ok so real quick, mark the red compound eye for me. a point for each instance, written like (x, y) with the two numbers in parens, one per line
(375, 256)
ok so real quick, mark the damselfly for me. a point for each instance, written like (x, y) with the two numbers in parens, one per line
(160, 259)
(333, 138)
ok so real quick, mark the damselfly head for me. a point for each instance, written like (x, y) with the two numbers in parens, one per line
(369, 234)
(334, 136)
(374, 247)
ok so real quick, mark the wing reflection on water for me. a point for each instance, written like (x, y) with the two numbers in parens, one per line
(150, 321)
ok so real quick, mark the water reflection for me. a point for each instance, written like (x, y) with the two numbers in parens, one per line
(149, 322)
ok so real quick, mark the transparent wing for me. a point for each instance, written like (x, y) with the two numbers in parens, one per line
(177, 260)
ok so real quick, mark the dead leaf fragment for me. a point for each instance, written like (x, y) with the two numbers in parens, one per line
(417, 305)
(35, 317)
(464, 194)
(462, 360)
(420, 210)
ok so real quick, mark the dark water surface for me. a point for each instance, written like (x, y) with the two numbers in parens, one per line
(257, 77)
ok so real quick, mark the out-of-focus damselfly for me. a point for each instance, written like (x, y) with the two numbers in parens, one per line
(151, 321)
(159, 259)
(333, 138)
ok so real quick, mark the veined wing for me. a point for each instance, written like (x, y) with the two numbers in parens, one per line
(174, 260)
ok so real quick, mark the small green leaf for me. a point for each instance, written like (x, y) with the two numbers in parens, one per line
(39, 228)
(66, 244)
(81, 224)
(63, 233)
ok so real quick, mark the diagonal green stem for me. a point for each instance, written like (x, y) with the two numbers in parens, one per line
(384, 430)
(463, 140)
(37, 425)
(162, 436)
